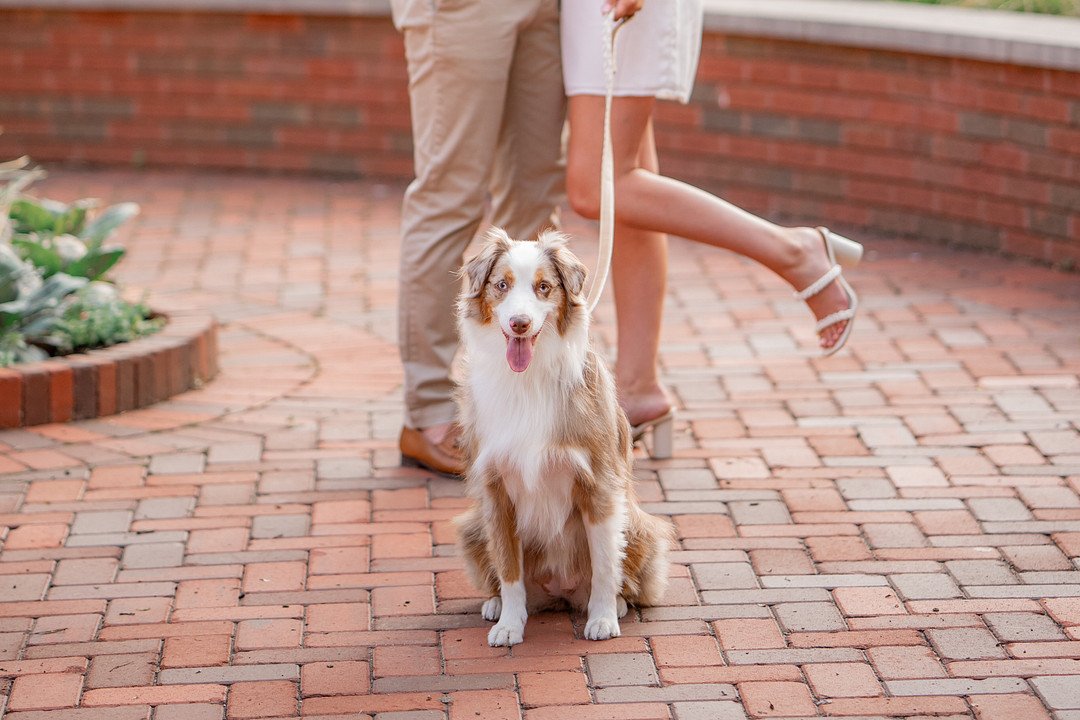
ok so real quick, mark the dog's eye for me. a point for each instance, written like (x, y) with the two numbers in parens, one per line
(502, 286)
(544, 288)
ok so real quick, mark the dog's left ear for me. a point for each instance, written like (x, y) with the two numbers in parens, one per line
(478, 268)
(571, 271)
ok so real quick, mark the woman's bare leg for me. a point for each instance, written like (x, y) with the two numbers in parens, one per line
(639, 279)
(647, 200)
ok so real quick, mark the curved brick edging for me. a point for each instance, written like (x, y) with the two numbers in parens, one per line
(942, 124)
(179, 357)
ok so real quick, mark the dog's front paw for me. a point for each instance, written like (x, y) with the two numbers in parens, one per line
(621, 607)
(506, 634)
(492, 609)
(602, 628)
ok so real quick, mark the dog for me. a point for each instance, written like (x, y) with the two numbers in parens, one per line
(549, 453)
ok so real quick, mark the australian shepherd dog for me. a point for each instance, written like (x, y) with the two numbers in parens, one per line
(550, 465)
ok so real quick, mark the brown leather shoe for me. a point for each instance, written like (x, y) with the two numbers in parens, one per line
(445, 457)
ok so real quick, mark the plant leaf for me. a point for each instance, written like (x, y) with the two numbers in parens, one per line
(51, 292)
(39, 327)
(12, 270)
(72, 221)
(16, 164)
(30, 215)
(31, 354)
(11, 312)
(95, 233)
(95, 263)
(23, 178)
(40, 256)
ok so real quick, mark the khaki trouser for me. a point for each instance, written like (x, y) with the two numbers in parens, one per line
(485, 86)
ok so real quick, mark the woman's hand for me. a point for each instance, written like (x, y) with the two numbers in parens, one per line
(623, 8)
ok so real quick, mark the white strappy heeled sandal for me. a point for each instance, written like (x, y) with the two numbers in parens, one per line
(842, 253)
(662, 443)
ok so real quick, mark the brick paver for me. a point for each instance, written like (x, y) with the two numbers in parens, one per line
(891, 532)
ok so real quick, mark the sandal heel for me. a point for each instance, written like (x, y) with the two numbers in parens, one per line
(845, 251)
(662, 444)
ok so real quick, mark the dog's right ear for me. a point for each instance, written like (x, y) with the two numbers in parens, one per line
(478, 268)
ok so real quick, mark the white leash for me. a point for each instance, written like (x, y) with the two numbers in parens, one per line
(607, 169)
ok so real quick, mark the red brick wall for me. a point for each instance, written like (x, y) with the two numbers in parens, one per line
(944, 149)
(206, 90)
(936, 148)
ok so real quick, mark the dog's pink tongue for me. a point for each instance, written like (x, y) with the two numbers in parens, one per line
(518, 353)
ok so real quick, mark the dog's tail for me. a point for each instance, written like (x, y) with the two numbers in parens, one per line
(645, 568)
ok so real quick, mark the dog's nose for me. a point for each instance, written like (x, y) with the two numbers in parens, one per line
(520, 324)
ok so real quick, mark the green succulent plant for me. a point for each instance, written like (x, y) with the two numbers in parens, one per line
(1049, 7)
(96, 316)
(58, 237)
(28, 307)
(15, 176)
(51, 258)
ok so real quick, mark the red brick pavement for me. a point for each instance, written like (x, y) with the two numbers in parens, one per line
(890, 533)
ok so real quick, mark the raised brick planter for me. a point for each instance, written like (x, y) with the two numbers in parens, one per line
(102, 382)
(942, 124)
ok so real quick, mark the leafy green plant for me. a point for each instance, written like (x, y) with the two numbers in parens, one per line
(96, 316)
(1049, 7)
(51, 256)
(58, 237)
(15, 176)
(28, 307)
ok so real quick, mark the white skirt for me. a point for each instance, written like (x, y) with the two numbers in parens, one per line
(656, 52)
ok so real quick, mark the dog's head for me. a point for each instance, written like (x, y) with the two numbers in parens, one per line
(525, 289)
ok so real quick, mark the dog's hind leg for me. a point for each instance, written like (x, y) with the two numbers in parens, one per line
(504, 547)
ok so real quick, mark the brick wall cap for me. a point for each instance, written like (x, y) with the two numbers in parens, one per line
(1049, 41)
(1031, 39)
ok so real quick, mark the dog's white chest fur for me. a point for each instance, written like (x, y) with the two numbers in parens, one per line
(516, 415)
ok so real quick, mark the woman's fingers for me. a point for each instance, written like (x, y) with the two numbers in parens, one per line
(623, 8)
